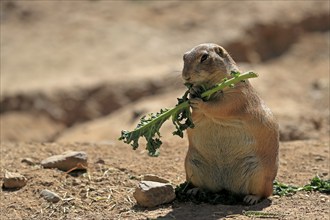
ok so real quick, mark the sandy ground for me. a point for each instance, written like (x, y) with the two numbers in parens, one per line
(74, 74)
(105, 191)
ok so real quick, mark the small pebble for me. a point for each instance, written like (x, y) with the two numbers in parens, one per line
(319, 158)
(100, 161)
(50, 196)
(67, 161)
(76, 182)
(28, 161)
(14, 180)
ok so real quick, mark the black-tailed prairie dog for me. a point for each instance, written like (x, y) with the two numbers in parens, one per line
(234, 144)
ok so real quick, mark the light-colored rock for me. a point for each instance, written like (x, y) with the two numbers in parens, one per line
(154, 178)
(50, 196)
(66, 161)
(150, 194)
(14, 180)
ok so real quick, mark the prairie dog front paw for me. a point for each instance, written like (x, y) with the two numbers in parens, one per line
(197, 104)
(252, 199)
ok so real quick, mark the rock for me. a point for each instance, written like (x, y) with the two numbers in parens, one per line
(66, 161)
(28, 161)
(14, 180)
(150, 194)
(154, 178)
(50, 196)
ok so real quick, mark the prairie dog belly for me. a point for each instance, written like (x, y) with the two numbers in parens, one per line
(221, 156)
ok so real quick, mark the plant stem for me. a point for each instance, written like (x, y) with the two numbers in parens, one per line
(229, 82)
(217, 88)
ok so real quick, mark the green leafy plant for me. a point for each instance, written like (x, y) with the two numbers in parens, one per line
(186, 192)
(316, 184)
(149, 126)
(282, 189)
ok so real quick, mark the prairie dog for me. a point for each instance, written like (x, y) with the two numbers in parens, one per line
(234, 144)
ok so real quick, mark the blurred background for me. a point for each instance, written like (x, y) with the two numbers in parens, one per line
(84, 70)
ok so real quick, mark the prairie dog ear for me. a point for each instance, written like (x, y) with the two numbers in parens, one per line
(220, 51)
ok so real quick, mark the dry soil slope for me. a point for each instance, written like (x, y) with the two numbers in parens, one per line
(295, 86)
(68, 71)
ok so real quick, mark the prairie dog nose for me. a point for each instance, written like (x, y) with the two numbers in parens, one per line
(185, 75)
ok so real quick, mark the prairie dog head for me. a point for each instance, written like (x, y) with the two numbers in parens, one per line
(207, 64)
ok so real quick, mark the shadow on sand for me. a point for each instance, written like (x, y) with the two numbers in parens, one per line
(192, 211)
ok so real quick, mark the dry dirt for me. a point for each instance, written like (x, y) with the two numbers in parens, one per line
(105, 191)
(75, 73)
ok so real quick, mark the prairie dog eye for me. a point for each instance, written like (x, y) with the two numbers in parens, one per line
(204, 57)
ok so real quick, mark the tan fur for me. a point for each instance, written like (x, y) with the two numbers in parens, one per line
(234, 144)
